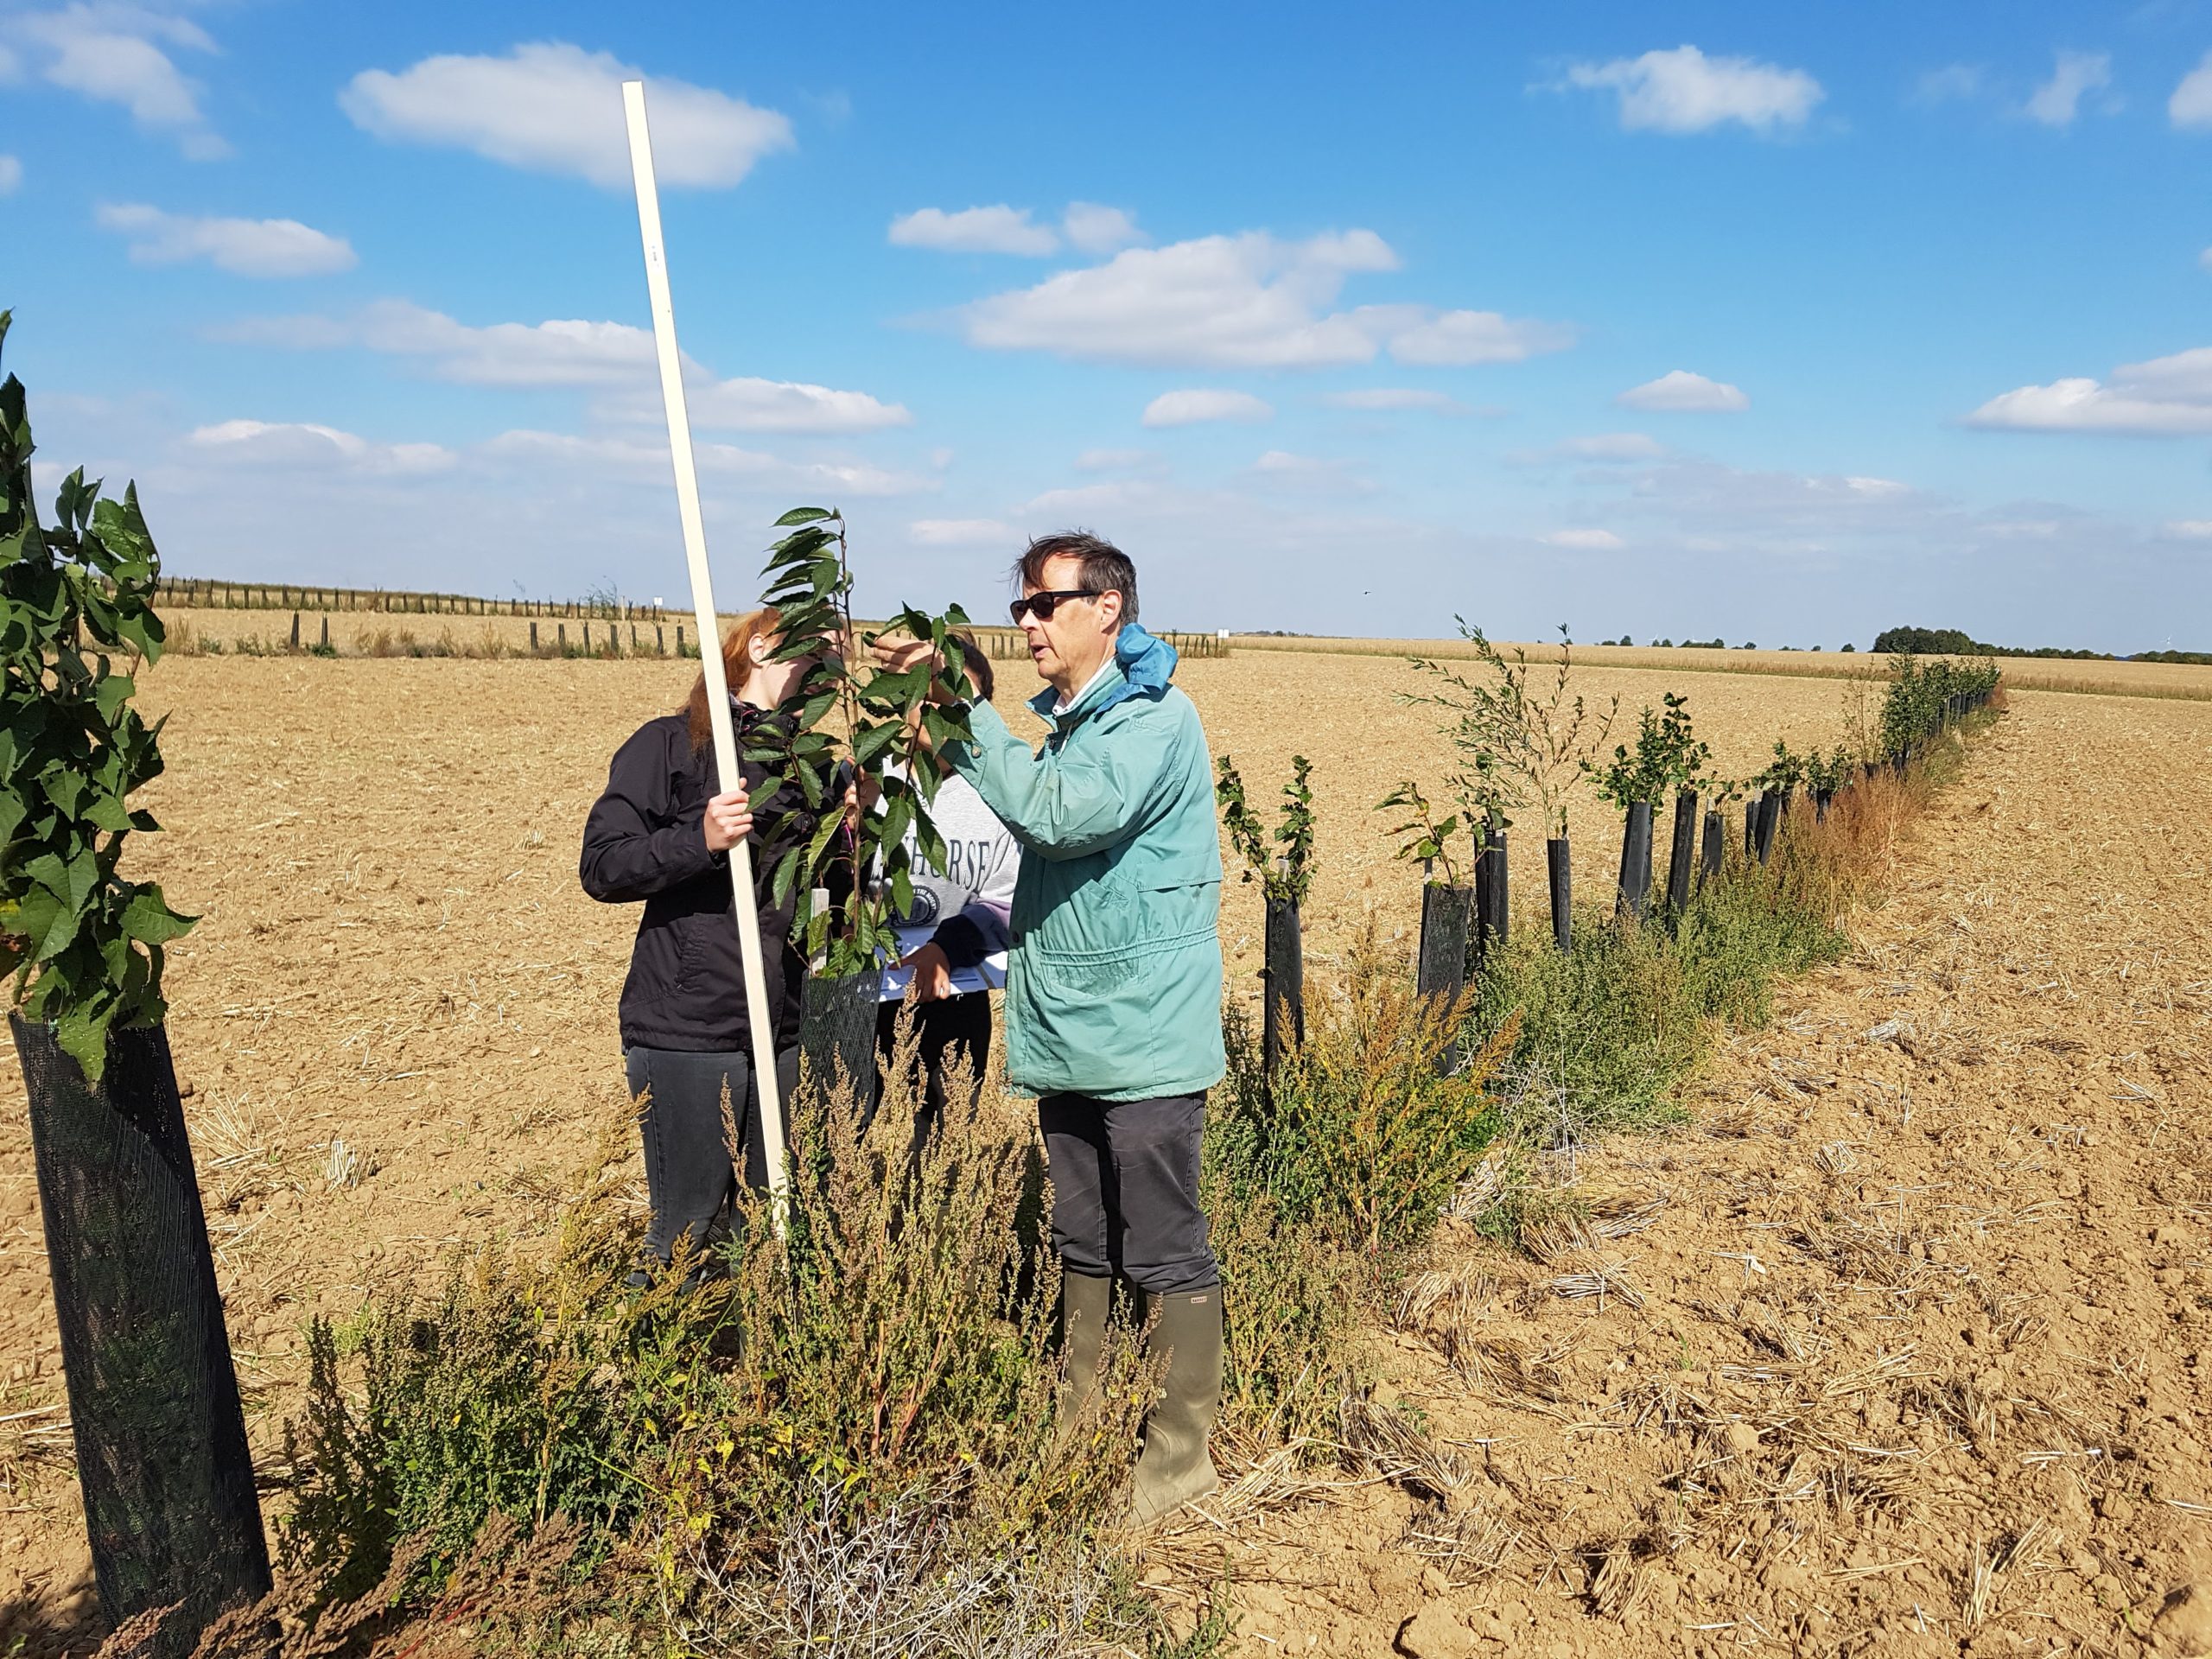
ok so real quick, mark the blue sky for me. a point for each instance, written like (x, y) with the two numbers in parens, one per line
(1780, 323)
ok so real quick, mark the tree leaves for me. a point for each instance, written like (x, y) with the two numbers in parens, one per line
(855, 722)
(84, 944)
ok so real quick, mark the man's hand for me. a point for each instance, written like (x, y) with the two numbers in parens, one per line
(932, 974)
(728, 820)
(905, 654)
(861, 796)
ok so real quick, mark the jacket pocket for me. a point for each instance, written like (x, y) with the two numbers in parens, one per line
(690, 954)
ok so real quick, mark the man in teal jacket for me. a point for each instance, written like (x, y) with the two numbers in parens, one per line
(1113, 994)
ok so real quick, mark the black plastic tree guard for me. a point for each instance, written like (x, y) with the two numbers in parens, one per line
(1282, 986)
(1752, 826)
(836, 1033)
(1492, 893)
(1682, 854)
(161, 1455)
(1440, 970)
(1634, 897)
(1716, 848)
(1561, 872)
(1770, 816)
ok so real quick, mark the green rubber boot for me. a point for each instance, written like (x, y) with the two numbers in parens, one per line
(1176, 1467)
(1084, 1304)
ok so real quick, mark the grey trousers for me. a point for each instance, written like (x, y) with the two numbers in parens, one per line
(1125, 1190)
(688, 1177)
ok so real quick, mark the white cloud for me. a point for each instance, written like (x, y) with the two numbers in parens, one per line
(303, 444)
(1243, 301)
(648, 458)
(2058, 100)
(2163, 397)
(1684, 91)
(1280, 469)
(2192, 104)
(2187, 530)
(1680, 389)
(961, 532)
(2082, 404)
(999, 229)
(1091, 228)
(551, 107)
(245, 247)
(115, 53)
(1088, 226)
(1953, 83)
(1189, 407)
(1584, 540)
(615, 358)
(11, 67)
(1113, 460)
(1386, 398)
(11, 174)
(1603, 447)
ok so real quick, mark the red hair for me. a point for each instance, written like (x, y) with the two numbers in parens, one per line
(737, 666)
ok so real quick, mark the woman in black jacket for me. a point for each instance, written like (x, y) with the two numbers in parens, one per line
(662, 834)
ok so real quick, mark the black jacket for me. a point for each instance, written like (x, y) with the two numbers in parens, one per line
(644, 841)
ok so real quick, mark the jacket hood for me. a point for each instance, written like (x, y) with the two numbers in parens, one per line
(1146, 664)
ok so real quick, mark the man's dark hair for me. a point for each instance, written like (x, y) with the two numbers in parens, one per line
(1106, 569)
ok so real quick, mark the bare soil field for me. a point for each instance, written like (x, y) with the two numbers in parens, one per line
(1934, 1265)
(2188, 682)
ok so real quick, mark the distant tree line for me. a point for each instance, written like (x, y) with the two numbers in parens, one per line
(1956, 642)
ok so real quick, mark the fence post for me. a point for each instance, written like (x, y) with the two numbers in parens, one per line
(296, 631)
(564, 627)
(533, 638)
(325, 634)
(660, 639)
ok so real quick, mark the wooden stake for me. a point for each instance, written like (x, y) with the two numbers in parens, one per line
(762, 1017)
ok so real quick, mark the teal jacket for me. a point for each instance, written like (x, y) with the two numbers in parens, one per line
(1113, 985)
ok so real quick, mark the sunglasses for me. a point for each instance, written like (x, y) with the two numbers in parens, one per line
(1045, 603)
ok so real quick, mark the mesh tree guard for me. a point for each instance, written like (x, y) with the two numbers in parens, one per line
(161, 1453)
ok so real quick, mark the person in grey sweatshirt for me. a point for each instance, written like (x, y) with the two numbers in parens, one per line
(968, 904)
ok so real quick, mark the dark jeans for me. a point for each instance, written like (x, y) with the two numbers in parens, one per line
(688, 1179)
(952, 1033)
(1125, 1190)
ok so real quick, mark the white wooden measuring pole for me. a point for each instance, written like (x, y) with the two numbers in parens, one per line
(759, 1016)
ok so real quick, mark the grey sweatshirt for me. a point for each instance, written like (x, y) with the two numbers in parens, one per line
(971, 901)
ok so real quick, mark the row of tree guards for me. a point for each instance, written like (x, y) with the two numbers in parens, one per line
(1461, 924)
(205, 593)
(1000, 643)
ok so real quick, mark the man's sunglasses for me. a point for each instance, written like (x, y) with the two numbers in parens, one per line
(1045, 603)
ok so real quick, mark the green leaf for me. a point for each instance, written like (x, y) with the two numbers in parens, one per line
(82, 1034)
(803, 516)
(106, 812)
(150, 920)
(873, 738)
(113, 692)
